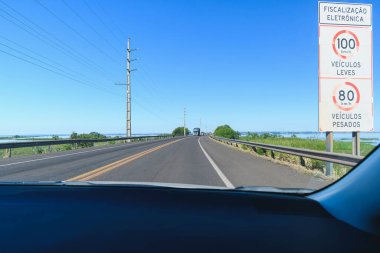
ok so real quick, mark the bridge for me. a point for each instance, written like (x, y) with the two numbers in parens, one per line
(183, 160)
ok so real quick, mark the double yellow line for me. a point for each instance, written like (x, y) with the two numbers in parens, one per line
(106, 168)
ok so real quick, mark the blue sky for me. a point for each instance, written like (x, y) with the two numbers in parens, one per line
(250, 64)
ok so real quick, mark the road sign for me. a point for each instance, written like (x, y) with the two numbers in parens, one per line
(345, 67)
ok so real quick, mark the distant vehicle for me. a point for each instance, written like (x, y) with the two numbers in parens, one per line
(197, 131)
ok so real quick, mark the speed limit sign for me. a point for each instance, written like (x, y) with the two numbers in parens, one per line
(345, 44)
(346, 96)
(345, 67)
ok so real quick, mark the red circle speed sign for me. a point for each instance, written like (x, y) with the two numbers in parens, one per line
(345, 44)
(346, 96)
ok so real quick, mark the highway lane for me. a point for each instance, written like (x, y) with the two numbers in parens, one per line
(61, 166)
(182, 162)
(191, 160)
(185, 162)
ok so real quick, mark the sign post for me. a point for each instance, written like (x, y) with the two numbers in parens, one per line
(356, 143)
(345, 69)
(329, 148)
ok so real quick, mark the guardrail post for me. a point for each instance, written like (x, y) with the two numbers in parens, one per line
(272, 154)
(302, 161)
(7, 153)
(49, 148)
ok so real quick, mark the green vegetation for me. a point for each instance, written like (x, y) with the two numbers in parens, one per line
(179, 131)
(227, 132)
(314, 144)
(26, 151)
(92, 135)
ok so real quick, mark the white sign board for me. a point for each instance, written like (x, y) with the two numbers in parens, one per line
(345, 67)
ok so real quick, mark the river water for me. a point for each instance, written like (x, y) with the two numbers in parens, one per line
(61, 136)
(368, 137)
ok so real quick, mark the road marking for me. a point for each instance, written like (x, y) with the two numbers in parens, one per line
(106, 168)
(216, 168)
(57, 156)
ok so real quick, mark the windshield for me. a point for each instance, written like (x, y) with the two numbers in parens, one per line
(254, 95)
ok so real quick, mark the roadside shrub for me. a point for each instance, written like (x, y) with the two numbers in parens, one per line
(226, 131)
(244, 147)
(65, 147)
(92, 135)
(260, 151)
(38, 150)
(179, 131)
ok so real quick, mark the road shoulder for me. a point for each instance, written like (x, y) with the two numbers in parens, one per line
(245, 169)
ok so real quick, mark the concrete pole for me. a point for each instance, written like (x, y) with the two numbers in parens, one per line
(129, 130)
(184, 121)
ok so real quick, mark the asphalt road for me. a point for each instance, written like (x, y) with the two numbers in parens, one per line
(191, 160)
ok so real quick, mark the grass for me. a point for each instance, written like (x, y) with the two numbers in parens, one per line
(27, 151)
(313, 144)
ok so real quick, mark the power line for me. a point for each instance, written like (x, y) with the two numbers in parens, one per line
(53, 71)
(78, 81)
(44, 57)
(111, 19)
(56, 43)
(74, 31)
(53, 41)
(88, 24)
(148, 109)
(149, 79)
(101, 21)
(48, 64)
(34, 58)
(73, 79)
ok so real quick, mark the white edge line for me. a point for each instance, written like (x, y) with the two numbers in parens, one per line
(216, 168)
(57, 156)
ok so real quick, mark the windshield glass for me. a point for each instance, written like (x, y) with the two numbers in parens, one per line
(255, 95)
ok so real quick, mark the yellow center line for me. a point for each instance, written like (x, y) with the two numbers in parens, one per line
(106, 168)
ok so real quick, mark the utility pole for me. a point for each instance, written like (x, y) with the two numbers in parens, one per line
(129, 129)
(128, 84)
(184, 121)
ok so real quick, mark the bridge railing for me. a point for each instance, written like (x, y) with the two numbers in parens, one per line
(8, 146)
(338, 158)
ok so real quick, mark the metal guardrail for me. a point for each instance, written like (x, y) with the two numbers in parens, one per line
(344, 159)
(22, 144)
